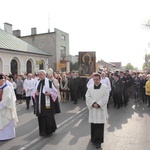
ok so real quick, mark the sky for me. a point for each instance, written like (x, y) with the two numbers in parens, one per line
(115, 29)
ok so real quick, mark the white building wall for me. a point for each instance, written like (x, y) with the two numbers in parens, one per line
(21, 58)
(1, 64)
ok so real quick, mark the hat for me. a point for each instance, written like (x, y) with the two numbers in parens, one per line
(99, 72)
(10, 76)
(116, 75)
(1, 76)
(50, 72)
(73, 71)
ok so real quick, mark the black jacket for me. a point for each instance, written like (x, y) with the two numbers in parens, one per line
(117, 86)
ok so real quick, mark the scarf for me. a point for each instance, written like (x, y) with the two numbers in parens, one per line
(41, 85)
(47, 98)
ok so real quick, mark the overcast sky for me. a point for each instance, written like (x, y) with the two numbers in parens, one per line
(113, 28)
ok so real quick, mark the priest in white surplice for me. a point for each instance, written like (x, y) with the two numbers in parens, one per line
(96, 101)
(8, 115)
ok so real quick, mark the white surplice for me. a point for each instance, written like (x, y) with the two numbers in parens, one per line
(8, 115)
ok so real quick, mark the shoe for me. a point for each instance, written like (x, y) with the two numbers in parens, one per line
(20, 102)
(98, 146)
(93, 142)
(118, 107)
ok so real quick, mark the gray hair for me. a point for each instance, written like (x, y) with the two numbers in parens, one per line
(43, 71)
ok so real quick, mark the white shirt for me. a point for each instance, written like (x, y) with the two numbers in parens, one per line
(106, 81)
(29, 85)
(90, 82)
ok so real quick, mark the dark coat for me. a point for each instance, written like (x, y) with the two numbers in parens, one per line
(117, 86)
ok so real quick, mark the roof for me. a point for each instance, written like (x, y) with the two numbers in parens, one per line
(102, 62)
(117, 64)
(10, 42)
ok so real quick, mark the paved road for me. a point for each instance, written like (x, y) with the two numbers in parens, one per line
(127, 129)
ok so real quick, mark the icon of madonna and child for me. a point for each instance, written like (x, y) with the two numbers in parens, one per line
(86, 63)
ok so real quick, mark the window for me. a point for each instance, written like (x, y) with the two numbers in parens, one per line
(14, 67)
(29, 66)
(63, 37)
(41, 65)
(63, 53)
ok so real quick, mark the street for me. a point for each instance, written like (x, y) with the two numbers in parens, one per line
(127, 129)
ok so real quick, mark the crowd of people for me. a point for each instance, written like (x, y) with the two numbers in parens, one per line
(45, 90)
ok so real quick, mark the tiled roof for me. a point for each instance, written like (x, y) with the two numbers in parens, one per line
(10, 42)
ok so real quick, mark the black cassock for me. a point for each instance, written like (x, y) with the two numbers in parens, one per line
(46, 119)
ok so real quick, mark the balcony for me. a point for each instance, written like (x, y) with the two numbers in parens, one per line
(64, 59)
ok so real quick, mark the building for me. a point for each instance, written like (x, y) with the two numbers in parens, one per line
(103, 65)
(17, 56)
(117, 64)
(73, 59)
(55, 43)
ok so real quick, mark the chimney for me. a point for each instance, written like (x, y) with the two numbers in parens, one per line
(8, 28)
(33, 31)
(17, 33)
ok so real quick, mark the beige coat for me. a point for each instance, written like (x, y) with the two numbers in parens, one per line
(100, 96)
(56, 84)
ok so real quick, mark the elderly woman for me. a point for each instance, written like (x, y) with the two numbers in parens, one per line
(50, 76)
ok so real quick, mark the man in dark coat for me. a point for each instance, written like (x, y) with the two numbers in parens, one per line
(74, 87)
(127, 86)
(117, 90)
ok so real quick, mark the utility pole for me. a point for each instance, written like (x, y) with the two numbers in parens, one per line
(48, 23)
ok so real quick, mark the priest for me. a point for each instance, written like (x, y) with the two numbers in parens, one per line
(46, 94)
(8, 115)
(96, 100)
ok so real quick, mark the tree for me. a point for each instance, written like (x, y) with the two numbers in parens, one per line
(129, 67)
(146, 65)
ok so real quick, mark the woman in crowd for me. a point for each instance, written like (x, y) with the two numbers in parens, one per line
(19, 89)
(63, 87)
(50, 76)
